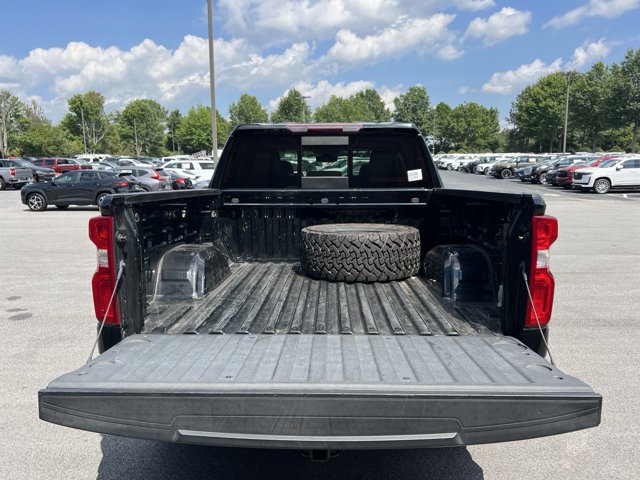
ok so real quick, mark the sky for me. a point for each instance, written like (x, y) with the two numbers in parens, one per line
(481, 51)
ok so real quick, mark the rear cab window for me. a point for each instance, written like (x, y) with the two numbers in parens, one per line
(280, 158)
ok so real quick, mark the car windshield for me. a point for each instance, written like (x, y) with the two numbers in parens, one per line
(609, 163)
(24, 163)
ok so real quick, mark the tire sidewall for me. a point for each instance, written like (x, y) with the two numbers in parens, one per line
(601, 181)
(43, 202)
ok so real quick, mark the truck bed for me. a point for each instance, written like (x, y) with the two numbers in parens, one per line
(275, 298)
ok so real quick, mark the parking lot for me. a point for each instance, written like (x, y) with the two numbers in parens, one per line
(46, 314)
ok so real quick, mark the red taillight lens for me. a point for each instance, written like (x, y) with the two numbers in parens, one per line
(12, 172)
(122, 183)
(544, 231)
(180, 181)
(103, 282)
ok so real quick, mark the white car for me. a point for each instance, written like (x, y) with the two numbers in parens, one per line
(614, 173)
(199, 168)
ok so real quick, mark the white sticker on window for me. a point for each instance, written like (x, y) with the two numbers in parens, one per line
(414, 175)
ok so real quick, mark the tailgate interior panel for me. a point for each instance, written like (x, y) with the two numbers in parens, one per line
(321, 391)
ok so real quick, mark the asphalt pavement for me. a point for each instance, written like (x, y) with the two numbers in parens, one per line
(46, 314)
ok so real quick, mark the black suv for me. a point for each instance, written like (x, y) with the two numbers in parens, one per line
(78, 187)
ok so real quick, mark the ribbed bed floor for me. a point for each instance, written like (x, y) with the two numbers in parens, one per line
(275, 298)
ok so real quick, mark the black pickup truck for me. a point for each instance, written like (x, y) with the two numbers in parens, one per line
(325, 293)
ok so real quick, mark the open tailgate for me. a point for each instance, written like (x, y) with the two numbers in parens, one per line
(321, 391)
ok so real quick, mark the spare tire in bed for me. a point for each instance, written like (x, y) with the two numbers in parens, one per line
(360, 252)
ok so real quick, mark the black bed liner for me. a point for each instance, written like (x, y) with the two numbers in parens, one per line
(321, 391)
(276, 298)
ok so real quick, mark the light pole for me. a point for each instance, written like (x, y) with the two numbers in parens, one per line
(304, 110)
(566, 113)
(212, 87)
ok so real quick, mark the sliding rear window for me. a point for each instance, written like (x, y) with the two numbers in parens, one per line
(364, 160)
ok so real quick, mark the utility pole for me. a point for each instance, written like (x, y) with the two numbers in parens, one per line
(304, 110)
(566, 114)
(84, 135)
(135, 135)
(212, 87)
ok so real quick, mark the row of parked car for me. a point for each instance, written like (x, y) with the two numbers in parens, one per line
(593, 172)
(52, 181)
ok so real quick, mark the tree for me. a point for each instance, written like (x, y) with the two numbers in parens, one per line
(413, 106)
(12, 111)
(173, 122)
(589, 104)
(141, 125)
(474, 128)
(538, 111)
(247, 110)
(194, 131)
(337, 109)
(441, 134)
(42, 139)
(86, 119)
(292, 108)
(625, 93)
(371, 106)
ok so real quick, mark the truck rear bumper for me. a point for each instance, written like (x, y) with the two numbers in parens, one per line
(321, 392)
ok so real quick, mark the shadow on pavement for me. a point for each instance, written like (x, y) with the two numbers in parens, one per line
(140, 459)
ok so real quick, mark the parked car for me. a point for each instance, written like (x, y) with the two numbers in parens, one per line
(484, 168)
(546, 171)
(76, 188)
(14, 175)
(61, 165)
(179, 180)
(151, 179)
(199, 168)
(614, 173)
(470, 167)
(564, 176)
(506, 168)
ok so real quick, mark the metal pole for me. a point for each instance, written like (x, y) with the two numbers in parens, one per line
(84, 135)
(304, 110)
(212, 87)
(566, 114)
(135, 135)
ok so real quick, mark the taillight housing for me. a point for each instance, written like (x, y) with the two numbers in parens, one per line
(103, 281)
(12, 172)
(544, 231)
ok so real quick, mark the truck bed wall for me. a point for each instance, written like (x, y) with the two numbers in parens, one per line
(247, 231)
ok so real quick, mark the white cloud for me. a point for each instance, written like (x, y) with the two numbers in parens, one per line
(594, 8)
(504, 24)
(509, 82)
(10, 73)
(464, 90)
(449, 52)
(425, 35)
(282, 21)
(589, 53)
(148, 70)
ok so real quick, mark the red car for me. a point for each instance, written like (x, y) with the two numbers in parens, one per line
(565, 175)
(61, 165)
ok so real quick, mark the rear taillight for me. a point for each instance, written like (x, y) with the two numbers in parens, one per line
(103, 282)
(180, 181)
(122, 183)
(12, 172)
(544, 231)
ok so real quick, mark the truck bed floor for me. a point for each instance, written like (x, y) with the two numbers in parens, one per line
(275, 298)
